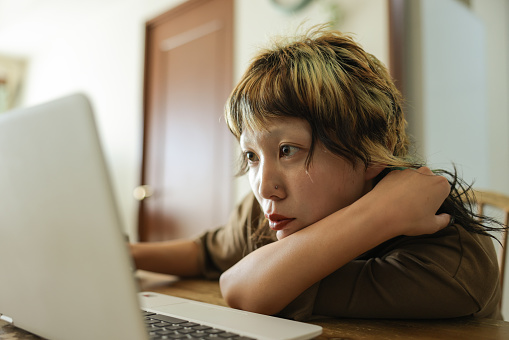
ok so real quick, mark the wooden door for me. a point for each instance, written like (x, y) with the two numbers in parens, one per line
(187, 158)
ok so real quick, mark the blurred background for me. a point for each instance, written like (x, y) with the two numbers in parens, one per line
(449, 58)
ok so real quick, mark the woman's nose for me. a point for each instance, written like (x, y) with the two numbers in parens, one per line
(270, 184)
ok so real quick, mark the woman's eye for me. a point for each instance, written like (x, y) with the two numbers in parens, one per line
(288, 150)
(250, 156)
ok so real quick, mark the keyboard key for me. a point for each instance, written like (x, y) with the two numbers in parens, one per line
(173, 327)
(151, 321)
(162, 324)
(189, 324)
(228, 335)
(177, 336)
(199, 334)
(169, 319)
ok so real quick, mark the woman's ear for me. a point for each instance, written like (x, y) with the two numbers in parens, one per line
(373, 170)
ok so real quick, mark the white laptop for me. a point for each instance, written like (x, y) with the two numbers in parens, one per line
(66, 271)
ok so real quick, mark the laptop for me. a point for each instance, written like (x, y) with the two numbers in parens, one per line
(66, 269)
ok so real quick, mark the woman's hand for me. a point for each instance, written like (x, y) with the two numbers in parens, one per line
(407, 201)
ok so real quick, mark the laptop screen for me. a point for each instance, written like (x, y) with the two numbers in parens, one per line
(64, 259)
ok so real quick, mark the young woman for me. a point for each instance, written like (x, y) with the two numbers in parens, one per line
(341, 220)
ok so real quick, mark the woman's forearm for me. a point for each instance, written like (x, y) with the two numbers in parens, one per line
(176, 257)
(268, 279)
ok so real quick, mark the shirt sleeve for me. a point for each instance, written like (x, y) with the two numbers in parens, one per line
(221, 248)
(451, 273)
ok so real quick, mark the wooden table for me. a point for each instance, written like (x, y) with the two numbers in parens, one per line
(334, 329)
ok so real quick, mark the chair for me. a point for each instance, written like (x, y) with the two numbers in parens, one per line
(489, 199)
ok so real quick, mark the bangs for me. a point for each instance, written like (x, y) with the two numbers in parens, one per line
(345, 94)
(269, 90)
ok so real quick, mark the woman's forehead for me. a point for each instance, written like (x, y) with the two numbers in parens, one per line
(276, 126)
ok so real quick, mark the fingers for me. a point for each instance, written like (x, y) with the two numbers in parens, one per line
(440, 181)
(411, 199)
(424, 170)
(437, 184)
(443, 185)
(442, 221)
(438, 223)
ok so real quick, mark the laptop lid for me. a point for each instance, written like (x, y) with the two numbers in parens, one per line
(65, 266)
(66, 270)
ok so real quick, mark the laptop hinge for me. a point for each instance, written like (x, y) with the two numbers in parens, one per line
(6, 318)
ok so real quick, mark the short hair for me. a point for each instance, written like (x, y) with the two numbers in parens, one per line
(324, 77)
(351, 103)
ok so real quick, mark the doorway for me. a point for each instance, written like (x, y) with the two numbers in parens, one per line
(187, 169)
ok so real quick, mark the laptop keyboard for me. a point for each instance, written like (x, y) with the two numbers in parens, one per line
(167, 327)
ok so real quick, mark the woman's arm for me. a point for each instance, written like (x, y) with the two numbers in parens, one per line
(403, 203)
(176, 257)
(223, 246)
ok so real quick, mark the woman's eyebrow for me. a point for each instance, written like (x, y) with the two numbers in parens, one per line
(271, 132)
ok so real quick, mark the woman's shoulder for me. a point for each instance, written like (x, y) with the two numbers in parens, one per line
(468, 258)
(453, 245)
(455, 255)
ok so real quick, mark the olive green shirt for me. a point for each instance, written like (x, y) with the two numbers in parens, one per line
(451, 273)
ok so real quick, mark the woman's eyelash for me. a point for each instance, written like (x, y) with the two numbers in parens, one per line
(250, 156)
(288, 150)
(285, 150)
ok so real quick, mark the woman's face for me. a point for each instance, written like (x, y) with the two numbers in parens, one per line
(292, 196)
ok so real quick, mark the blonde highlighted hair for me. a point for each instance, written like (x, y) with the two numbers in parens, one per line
(352, 105)
(344, 93)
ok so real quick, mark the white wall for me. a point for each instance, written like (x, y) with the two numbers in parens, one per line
(454, 105)
(494, 16)
(460, 86)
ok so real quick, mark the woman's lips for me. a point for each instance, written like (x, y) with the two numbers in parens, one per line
(278, 222)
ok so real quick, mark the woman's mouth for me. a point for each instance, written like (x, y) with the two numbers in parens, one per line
(278, 222)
